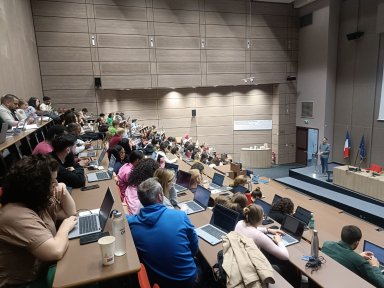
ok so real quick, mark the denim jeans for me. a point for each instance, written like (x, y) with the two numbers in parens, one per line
(324, 165)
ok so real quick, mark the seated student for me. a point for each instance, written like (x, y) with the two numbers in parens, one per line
(236, 202)
(199, 166)
(166, 178)
(256, 194)
(32, 203)
(281, 208)
(113, 128)
(45, 147)
(273, 249)
(165, 239)
(119, 154)
(364, 264)
(71, 173)
(196, 179)
(163, 150)
(116, 138)
(127, 145)
(126, 170)
(240, 180)
(75, 130)
(144, 170)
(8, 106)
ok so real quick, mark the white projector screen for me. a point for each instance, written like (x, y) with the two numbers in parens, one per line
(381, 111)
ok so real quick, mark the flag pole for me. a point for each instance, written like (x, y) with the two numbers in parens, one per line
(357, 155)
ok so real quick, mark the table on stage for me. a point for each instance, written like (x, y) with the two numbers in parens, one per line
(82, 264)
(360, 181)
(256, 158)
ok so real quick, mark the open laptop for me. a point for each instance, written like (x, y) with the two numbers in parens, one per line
(154, 155)
(3, 133)
(217, 181)
(293, 229)
(99, 160)
(223, 221)
(94, 222)
(276, 198)
(183, 179)
(172, 166)
(377, 251)
(302, 214)
(239, 188)
(103, 175)
(98, 146)
(87, 154)
(266, 208)
(199, 202)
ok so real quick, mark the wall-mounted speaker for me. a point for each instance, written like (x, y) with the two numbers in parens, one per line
(97, 82)
(193, 112)
(355, 35)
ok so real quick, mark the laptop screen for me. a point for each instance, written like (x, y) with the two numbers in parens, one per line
(172, 166)
(266, 206)
(224, 218)
(202, 196)
(218, 179)
(376, 250)
(239, 188)
(112, 162)
(154, 156)
(276, 198)
(293, 226)
(183, 178)
(302, 214)
(106, 208)
(101, 157)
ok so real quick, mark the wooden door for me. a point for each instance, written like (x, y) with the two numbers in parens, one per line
(301, 145)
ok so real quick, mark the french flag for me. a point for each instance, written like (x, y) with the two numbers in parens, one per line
(347, 145)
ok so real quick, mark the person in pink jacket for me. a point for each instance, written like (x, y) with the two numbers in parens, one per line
(143, 171)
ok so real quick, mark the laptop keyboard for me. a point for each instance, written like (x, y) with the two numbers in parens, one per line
(179, 187)
(102, 175)
(87, 224)
(288, 239)
(214, 186)
(213, 231)
(193, 206)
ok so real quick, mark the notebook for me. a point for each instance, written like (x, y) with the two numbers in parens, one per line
(276, 198)
(377, 251)
(293, 229)
(266, 208)
(199, 202)
(99, 160)
(3, 133)
(183, 179)
(87, 154)
(223, 220)
(103, 175)
(217, 181)
(93, 221)
(302, 214)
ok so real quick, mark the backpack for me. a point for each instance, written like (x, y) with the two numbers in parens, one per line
(218, 271)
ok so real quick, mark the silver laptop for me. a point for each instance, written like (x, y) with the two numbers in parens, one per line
(87, 154)
(293, 229)
(217, 183)
(103, 175)
(223, 220)
(95, 222)
(3, 133)
(377, 251)
(183, 179)
(99, 160)
(199, 202)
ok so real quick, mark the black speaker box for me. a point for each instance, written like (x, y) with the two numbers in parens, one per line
(354, 35)
(97, 82)
(193, 112)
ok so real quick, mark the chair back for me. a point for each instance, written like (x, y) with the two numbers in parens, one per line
(376, 168)
(143, 278)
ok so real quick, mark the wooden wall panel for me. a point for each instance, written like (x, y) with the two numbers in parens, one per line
(137, 3)
(226, 43)
(59, 24)
(172, 68)
(222, 31)
(122, 82)
(163, 42)
(175, 16)
(62, 39)
(176, 29)
(124, 68)
(122, 41)
(71, 96)
(61, 9)
(66, 68)
(64, 54)
(164, 55)
(121, 27)
(179, 80)
(172, 4)
(120, 13)
(123, 55)
(226, 19)
(67, 82)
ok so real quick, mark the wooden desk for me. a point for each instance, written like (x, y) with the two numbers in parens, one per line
(82, 264)
(226, 170)
(256, 158)
(360, 181)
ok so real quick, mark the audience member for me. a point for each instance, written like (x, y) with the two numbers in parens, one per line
(163, 152)
(144, 170)
(195, 179)
(127, 145)
(256, 194)
(126, 170)
(46, 105)
(7, 110)
(114, 126)
(281, 208)
(72, 176)
(45, 147)
(364, 264)
(32, 202)
(157, 229)
(20, 111)
(119, 153)
(116, 138)
(198, 166)
(166, 178)
(75, 130)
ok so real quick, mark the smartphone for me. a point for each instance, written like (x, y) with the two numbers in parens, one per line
(89, 187)
(92, 237)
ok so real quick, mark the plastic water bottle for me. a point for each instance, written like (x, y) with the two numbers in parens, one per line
(311, 223)
(315, 245)
(118, 231)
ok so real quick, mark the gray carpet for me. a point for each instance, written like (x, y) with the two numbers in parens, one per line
(276, 171)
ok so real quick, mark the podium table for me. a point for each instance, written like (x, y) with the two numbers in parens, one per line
(256, 158)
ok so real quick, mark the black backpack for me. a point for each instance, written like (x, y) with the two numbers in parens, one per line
(218, 271)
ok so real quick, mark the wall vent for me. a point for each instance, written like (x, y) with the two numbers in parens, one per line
(306, 109)
(306, 20)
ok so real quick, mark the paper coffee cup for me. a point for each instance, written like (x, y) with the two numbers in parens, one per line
(107, 247)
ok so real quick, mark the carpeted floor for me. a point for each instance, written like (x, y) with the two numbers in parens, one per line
(276, 171)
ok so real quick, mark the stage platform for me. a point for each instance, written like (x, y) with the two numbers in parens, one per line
(311, 182)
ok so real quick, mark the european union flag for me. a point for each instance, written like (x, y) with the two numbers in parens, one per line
(362, 148)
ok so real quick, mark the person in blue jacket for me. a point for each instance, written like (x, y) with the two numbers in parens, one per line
(165, 239)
